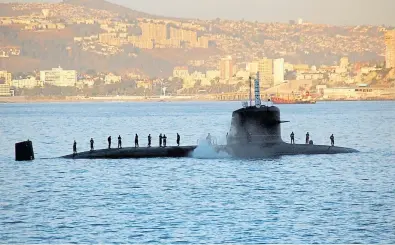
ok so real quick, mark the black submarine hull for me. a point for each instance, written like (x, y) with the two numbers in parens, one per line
(237, 151)
(283, 149)
(135, 152)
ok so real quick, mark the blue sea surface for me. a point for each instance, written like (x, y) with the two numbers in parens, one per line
(345, 198)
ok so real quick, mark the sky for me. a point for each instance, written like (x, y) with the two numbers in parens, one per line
(336, 12)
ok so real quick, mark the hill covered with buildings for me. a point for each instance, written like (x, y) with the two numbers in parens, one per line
(97, 39)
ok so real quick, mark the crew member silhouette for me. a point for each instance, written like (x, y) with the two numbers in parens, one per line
(149, 140)
(332, 140)
(109, 142)
(164, 140)
(307, 138)
(160, 140)
(119, 142)
(136, 141)
(74, 147)
(92, 142)
(178, 139)
(292, 138)
(208, 138)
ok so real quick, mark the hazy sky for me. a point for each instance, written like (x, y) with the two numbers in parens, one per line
(342, 12)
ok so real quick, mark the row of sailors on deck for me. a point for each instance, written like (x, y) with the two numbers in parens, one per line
(162, 142)
(308, 141)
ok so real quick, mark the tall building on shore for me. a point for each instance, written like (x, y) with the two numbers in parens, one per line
(5, 89)
(4, 85)
(265, 69)
(59, 77)
(278, 71)
(344, 63)
(153, 31)
(390, 49)
(6, 77)
(181, 72)
(226, 67)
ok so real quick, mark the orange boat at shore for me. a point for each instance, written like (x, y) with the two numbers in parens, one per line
(305, 99)
(278, 100)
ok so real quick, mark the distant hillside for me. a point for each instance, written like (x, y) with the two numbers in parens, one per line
(6, 10)
(112, 7)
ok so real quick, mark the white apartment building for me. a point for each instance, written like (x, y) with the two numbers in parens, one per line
(29, 82)
(111, 78)
(59, 77)
(5, 89)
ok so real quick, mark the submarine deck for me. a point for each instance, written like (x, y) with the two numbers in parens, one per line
(284, 149)
(135, 152)
(243, 151)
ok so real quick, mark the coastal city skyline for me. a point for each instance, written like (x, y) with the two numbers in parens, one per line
(97, 48)
(335, 12)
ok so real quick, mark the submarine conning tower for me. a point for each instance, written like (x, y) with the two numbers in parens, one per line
(257, 124)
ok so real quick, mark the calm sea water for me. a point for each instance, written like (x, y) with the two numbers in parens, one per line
(203, 199)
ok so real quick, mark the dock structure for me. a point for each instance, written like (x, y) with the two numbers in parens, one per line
(135, 152)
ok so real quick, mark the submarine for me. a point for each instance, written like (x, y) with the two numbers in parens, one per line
(255, 132)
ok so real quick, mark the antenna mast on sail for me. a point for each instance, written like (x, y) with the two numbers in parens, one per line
(250, 78)
(257, 91)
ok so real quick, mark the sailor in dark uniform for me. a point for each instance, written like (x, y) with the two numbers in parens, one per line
(149, 140)
(92, 142)
(119, 142)
(292, 138)
(178, 139)
(164, 140)
(332, 140)
(109, 142)
(136, 141)
(74, 147)
(307, 138)
(160, 140)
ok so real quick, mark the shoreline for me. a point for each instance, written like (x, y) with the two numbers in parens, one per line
(77, 99)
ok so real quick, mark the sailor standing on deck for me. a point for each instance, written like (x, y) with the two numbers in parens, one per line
(160, 140)
(307, 138)
(149, 140)
(74, 147)
(109, 142)
(119, 142)
(136, 141)
(332, 140)
(92, 142)
(178, 139)
(292, 138)
(164, 140)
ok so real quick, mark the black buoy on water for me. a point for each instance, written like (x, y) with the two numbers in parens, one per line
(24, 151)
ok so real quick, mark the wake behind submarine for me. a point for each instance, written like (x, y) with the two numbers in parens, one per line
(255, 132)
